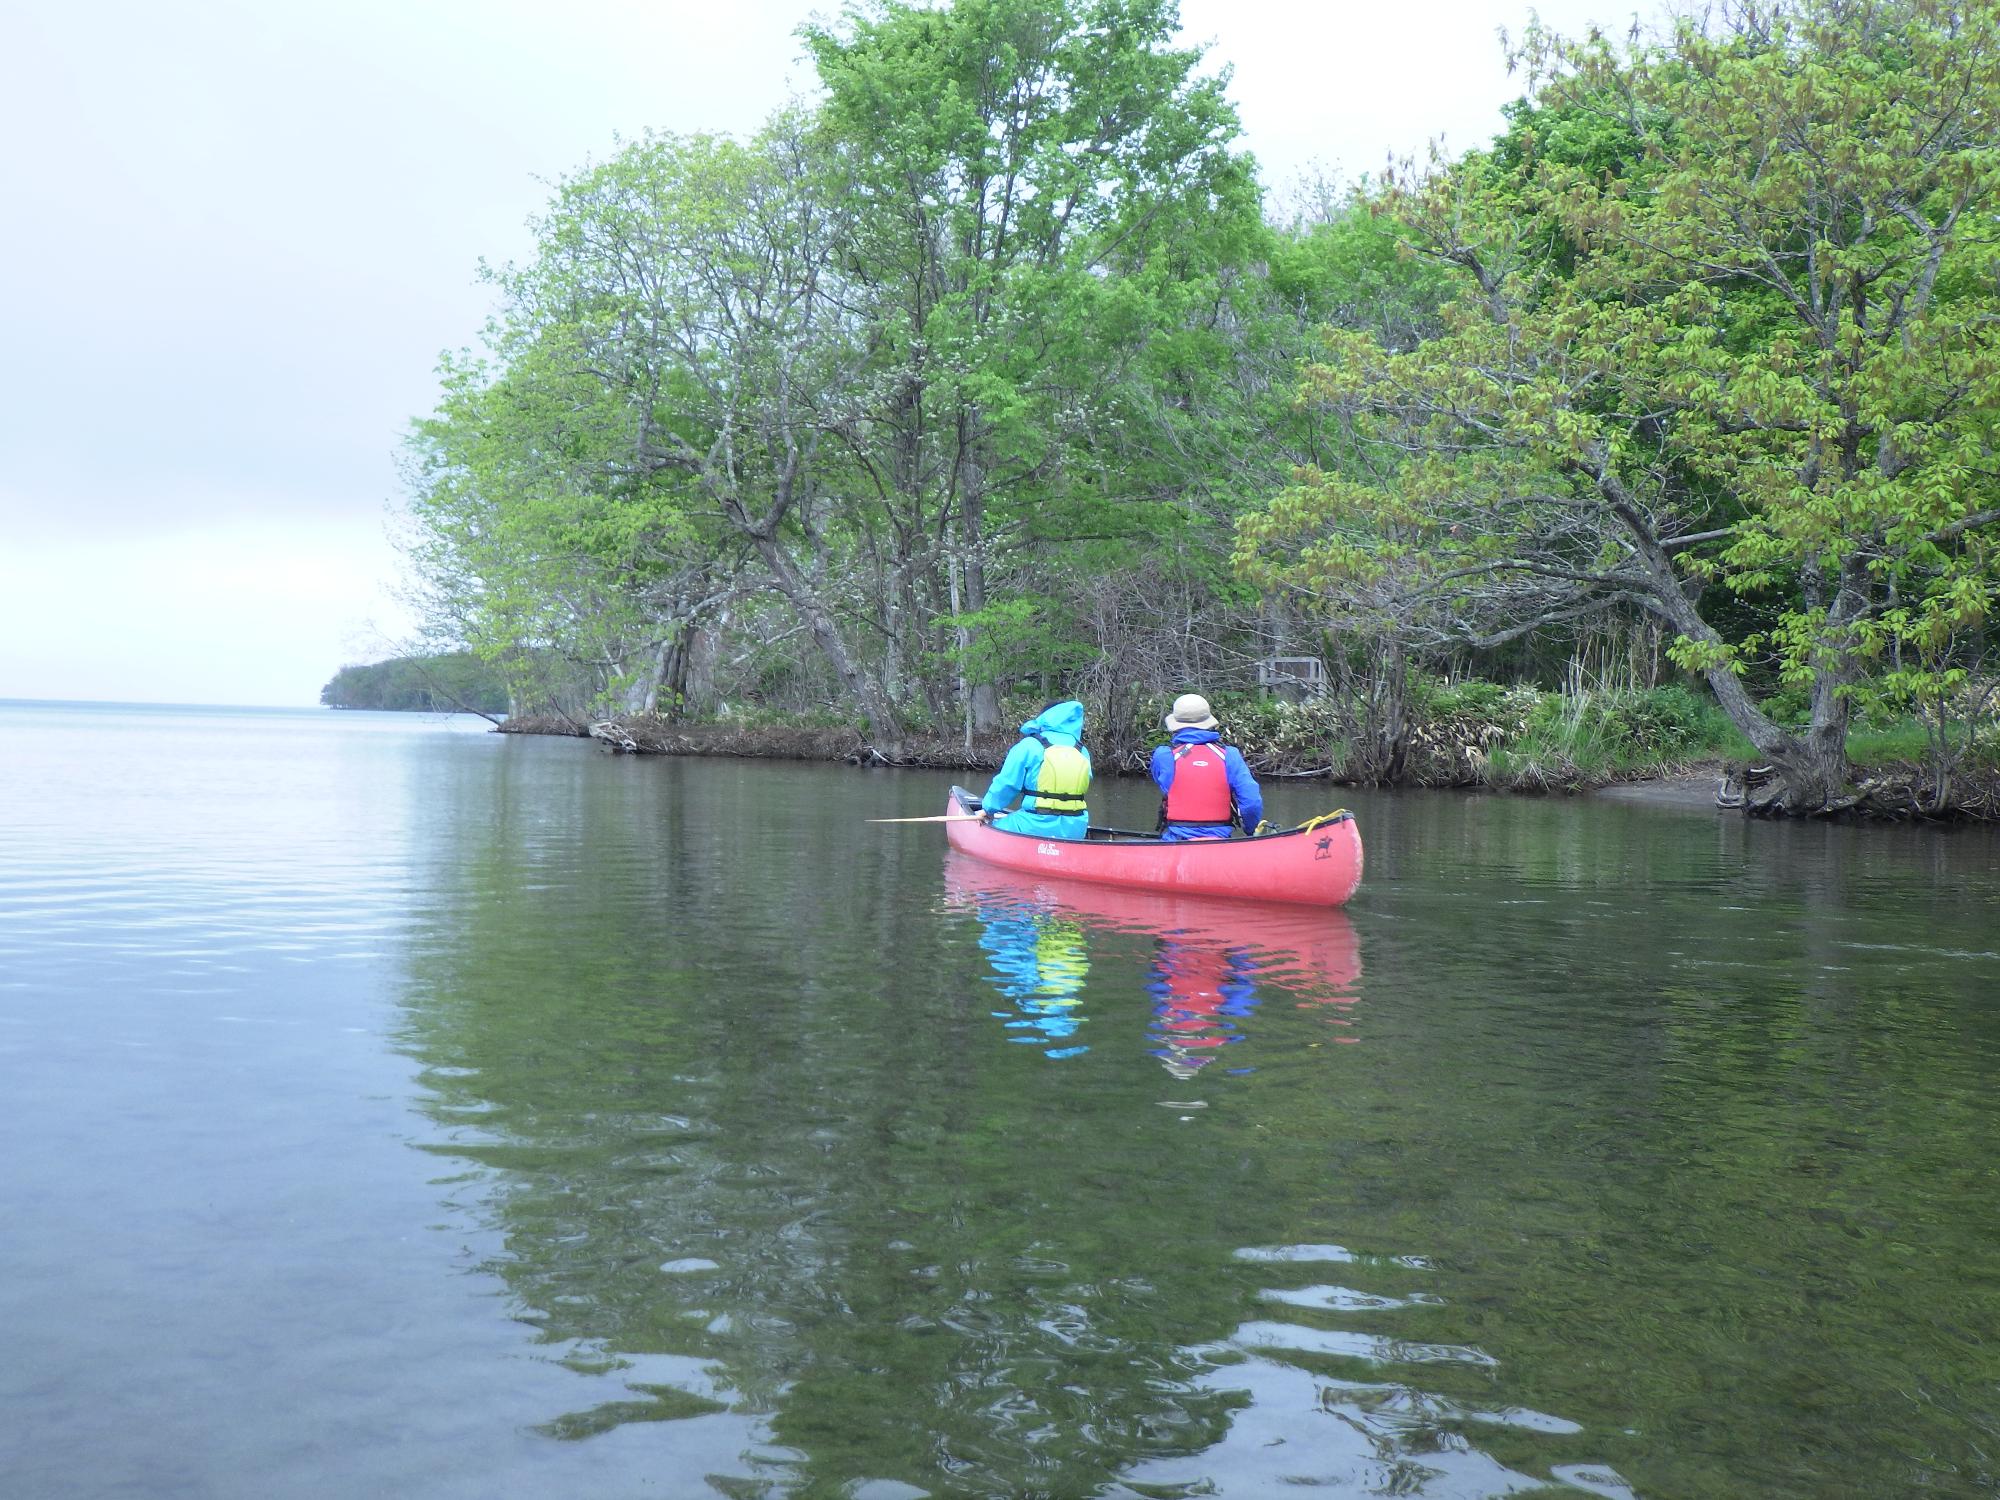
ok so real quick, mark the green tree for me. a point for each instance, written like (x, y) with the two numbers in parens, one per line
(1038, 187)
(544, 547)
(1750, 353)
(675, 360)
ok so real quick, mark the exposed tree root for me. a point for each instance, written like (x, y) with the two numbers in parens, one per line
(1899, 791)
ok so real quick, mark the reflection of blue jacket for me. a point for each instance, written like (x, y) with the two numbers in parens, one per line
(1060, 724)
(1040, 963)
(1242, 786)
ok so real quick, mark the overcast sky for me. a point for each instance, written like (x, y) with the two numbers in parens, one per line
(237, 233)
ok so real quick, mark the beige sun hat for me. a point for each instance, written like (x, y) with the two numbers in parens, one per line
(1190, 712)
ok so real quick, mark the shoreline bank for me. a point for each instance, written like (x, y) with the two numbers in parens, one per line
(1689, 784)
(1895, 792)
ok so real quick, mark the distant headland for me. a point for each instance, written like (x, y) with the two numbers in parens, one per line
(453, 681)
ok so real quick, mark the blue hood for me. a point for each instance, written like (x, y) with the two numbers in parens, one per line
(1059, 721)
(1196, 736)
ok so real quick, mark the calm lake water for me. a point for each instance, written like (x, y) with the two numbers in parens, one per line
(394, 1108)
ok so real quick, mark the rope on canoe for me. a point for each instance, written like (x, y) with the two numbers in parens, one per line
(1330, 817)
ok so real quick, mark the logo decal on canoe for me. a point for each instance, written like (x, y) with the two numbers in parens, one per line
(1048, 849)
(1323, 849)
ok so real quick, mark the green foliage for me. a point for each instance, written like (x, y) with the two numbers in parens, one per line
(1351, 271)
(1914, 741)
(1015, 638)
(1455, 726)
(1584, 739)
(456, 681)
(1470, 698)
(1720, 317)
(1458, 727)
(1625, 729)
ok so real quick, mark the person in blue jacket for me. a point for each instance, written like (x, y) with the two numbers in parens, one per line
(1205, 786)
(1049, 772)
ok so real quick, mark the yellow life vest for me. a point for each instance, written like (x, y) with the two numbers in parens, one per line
(1061, 782)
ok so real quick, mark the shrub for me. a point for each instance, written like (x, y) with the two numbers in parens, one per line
(1624, 728)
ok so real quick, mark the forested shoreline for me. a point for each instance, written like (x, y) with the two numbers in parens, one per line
(1660, 429)
(450, 682)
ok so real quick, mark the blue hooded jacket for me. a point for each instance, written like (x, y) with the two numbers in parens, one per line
(1060, 724)
(1242, 786)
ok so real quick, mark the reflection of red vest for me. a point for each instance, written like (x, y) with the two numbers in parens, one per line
(1189, 1011)
(1200, 789)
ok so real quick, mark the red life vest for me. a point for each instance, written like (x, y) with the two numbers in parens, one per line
(1199, 792)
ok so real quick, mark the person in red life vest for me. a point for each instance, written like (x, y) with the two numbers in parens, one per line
(1205, 786)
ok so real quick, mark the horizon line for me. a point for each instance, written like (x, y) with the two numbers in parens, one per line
(145, 703)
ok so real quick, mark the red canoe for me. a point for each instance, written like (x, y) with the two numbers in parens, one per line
(1316, 864)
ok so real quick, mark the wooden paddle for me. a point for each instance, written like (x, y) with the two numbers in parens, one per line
(934, 818)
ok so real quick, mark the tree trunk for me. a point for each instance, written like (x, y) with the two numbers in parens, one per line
(1392, 715)
(885, 730)
(1812, 771)
(985, 701)
(642, 694)
(964, 641)
(637, 698)
(702, 645)
(1813, 768)
(674, 673)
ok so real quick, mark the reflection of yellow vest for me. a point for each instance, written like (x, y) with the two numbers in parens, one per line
(1062, 962)
(1062, 781)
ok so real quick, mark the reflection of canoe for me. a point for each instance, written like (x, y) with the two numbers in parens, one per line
(1293, 944)
(1316, 865)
